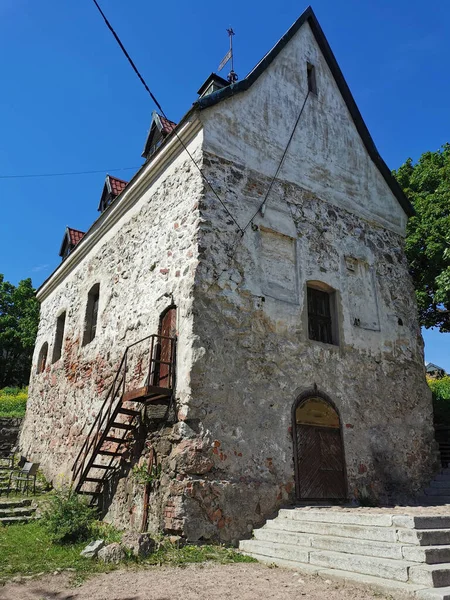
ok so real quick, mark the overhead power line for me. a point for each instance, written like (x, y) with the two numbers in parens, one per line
(31, 176)
(280, 164)
(142, 80)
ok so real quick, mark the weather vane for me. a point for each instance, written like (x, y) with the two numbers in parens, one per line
(232, 76)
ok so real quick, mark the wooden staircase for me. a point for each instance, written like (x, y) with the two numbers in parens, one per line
(112, 430)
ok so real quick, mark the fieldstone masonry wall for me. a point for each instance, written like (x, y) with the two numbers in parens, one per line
(9, 434)
(244, 354)
(143, 264)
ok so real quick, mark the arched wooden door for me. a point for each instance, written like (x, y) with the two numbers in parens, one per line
(167, 329)
(319, 451)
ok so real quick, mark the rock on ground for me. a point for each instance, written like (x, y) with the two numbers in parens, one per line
(113, 553)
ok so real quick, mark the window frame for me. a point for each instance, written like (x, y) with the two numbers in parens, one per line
(42, 358)
(59, 336)
(311, 78)
(330, 320)
(91, 314)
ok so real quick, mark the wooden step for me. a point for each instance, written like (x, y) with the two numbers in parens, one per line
(86, 493)
(109, 453)
(94, 479)
(106, 467)
(146, 392)
(128, 411)
(126, 426)
(116, 440)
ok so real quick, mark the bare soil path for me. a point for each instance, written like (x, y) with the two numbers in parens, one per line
(248, 581)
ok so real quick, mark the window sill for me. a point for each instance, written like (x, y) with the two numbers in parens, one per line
(332, 347)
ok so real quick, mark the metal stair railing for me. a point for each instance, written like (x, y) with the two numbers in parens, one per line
(111, 405)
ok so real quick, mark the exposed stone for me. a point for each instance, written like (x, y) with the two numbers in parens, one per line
(139, 544)
(113, 553)
(92, 549)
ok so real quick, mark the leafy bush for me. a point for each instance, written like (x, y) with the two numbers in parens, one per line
(13, 402)
(441, 399)
(68, 518)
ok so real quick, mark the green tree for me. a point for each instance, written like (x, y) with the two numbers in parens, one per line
(19, 317)
(427, 185)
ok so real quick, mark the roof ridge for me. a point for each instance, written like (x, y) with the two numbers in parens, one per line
(244, 84)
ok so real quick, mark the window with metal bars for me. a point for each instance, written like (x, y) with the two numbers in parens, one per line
(320, 326)
(90, 325)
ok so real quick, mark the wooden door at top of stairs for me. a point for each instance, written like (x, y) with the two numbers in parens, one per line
(167, 328)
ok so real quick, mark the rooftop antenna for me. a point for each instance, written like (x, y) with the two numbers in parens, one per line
(232, 76)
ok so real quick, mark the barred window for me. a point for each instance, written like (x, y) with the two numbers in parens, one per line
(322, 320)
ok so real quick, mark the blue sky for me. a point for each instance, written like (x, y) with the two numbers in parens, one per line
(70, 102)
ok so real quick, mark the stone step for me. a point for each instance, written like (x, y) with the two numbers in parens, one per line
(433, 500)
(442, 477)
(326, 515)
(338, 544)
(434, 576)
(381, 534)
(16, 520)
(284, 551)
(15, 503)
(398, 570)
(430, 555)
(387, 586)
(442, 484)
(438, 491)
(442, 593)
(17, 512)
(424, 537)
(366, 565)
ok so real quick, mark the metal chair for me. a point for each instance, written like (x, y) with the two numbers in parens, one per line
(23, 478)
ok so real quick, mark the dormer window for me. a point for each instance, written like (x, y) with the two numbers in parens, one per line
(160, 128)
(71, 238)
(212, 84)
(112, 188)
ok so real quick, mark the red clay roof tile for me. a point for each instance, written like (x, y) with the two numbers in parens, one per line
(75, 235)
(168, 126)
(117, 185)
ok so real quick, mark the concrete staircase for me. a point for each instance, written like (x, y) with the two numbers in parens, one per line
(438, 492)
(16, 511)
(407, 553)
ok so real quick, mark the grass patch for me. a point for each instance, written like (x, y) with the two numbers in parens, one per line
(27, 550)
(169, 554)
(13, 402)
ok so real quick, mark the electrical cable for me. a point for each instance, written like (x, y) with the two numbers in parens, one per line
(135, 69)
(233, 250)
(30, 176)
(280, 164)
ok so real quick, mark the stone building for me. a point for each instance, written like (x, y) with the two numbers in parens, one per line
(278, 273)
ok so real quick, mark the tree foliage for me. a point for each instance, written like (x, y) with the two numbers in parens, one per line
(441, 399)
(19, 317)
(427, 185)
